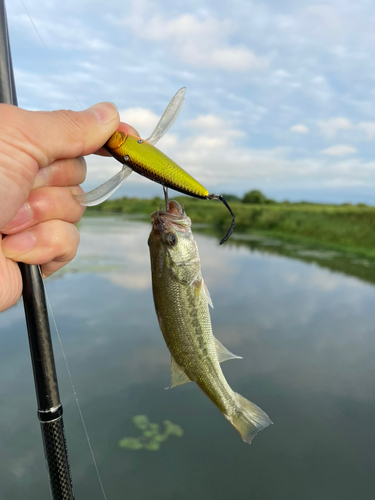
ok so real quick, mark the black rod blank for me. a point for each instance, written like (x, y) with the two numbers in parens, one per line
(41, 350)
(47, 392)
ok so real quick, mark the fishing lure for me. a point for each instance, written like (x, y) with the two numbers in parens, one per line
(143, 157)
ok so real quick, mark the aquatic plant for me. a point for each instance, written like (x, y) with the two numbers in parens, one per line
(151, 437)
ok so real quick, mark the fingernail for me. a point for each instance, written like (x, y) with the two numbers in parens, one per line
(18, 244)
(76, 190)
(42, 177)
(105, 112)
(24, 214)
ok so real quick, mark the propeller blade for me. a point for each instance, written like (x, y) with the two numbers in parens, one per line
(169, 116)
(104, 191)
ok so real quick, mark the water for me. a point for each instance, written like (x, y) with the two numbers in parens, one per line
(303, 319)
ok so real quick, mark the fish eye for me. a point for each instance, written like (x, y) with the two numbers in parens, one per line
(171, 239)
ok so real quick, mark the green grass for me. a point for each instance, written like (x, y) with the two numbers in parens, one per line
(345, 226)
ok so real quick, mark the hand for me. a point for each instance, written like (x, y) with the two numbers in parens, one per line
(41, 166)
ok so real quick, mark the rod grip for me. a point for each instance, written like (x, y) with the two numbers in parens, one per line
(57, 459)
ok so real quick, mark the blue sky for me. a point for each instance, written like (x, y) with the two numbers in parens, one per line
(280, 95)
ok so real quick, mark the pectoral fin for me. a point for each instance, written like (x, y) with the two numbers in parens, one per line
(222, 352)
(178, 376)
(199, 283)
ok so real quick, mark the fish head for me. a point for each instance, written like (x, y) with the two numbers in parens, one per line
(171, 239)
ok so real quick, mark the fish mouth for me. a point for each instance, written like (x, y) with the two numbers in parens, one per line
(175, 208)
(175, 220)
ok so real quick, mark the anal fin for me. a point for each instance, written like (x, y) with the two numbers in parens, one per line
(223, 353)
(178, 376)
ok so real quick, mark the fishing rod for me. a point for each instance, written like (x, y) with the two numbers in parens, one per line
(47, 391)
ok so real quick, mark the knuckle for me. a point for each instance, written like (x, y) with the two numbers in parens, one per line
(70, 242)
(75, 125)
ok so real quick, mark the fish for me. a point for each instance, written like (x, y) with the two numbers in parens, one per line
(181, 302)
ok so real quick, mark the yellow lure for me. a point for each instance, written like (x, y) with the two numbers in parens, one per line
(149, 161)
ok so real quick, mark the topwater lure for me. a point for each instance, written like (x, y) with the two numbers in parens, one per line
(144, 158)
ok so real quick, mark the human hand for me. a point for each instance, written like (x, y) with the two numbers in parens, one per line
(41, 166)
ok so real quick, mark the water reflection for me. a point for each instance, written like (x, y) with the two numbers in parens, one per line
(301, 317)
(344, 262)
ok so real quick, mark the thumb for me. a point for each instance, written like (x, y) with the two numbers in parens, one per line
(33, 139)
(47, 136)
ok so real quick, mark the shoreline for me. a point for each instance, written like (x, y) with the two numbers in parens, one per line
(349, 228)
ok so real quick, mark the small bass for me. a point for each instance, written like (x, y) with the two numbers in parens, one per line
(181, 302)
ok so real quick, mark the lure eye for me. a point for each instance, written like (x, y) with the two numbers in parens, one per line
(170, 239)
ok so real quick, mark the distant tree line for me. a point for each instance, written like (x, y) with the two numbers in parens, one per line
(254, 197)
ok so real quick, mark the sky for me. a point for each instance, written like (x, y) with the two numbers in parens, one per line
(280, 94)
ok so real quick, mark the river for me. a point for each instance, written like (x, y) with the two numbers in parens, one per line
(303, 319)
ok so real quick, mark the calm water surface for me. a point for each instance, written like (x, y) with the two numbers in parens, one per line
(302, 318)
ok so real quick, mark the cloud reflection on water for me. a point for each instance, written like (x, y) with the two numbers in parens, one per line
(258, 297)
(306, 334)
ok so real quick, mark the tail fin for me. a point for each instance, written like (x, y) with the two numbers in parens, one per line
(249, 419)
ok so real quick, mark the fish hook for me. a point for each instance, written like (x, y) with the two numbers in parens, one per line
(222, 199)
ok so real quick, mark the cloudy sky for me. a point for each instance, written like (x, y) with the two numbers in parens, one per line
(280, 94)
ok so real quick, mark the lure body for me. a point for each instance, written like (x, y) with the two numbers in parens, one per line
(181, 302)
(149, 161)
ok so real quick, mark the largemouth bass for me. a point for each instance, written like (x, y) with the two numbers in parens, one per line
(181, 302)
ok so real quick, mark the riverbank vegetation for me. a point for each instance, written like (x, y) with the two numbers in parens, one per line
(348, 226)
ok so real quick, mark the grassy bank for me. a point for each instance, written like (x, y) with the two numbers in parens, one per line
(350, 227)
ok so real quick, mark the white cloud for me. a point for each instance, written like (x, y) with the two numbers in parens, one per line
(320, 58)
(234, 59)
(201, 43)
(207, 122)
(368, 128)
(213, 124)
(339, 150)
(330, 127)
(73, 35)
(210, 152)
(32, 84)
(131, 267)
(327, 15)
(299, 129)
(142, 119)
